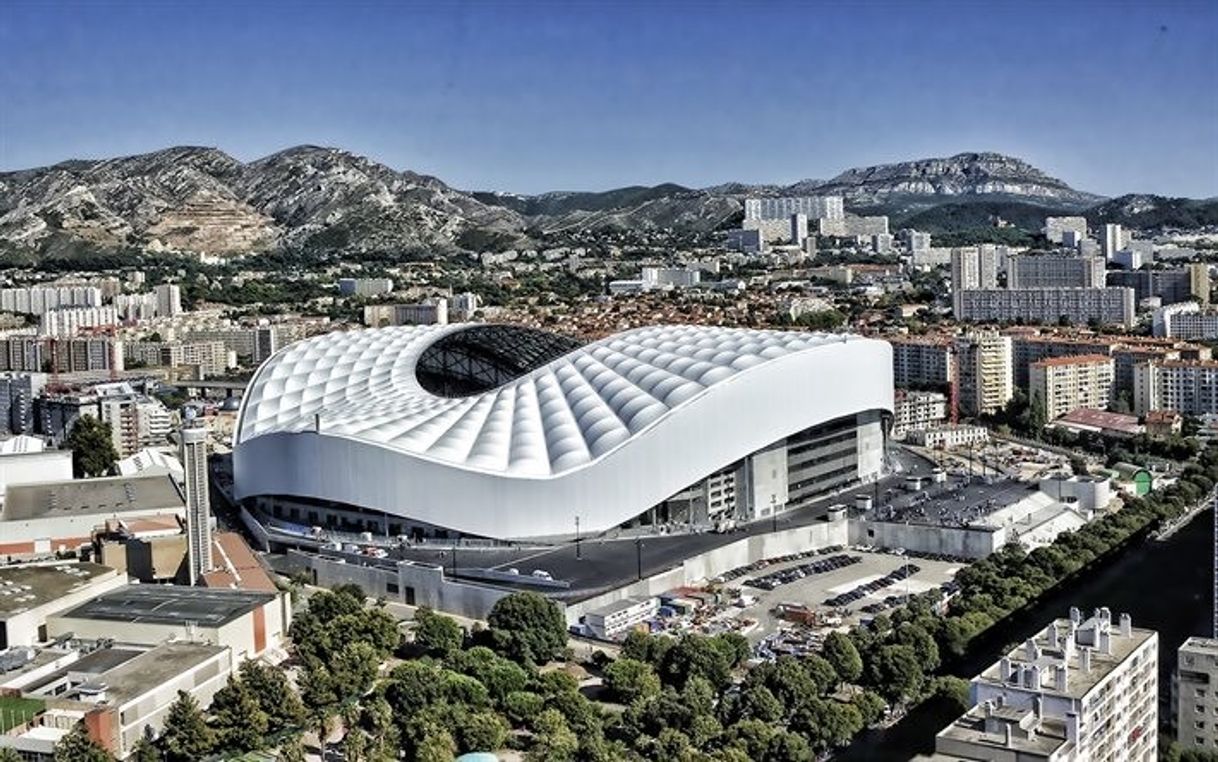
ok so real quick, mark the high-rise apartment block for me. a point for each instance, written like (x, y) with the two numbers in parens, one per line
(1194, 694)
(1056, 226)
(193, 455)
(1077, 691)
(17, 394)
(1113, 240)
(1185, 320)
(63, 322)
(985, 372)
(799, 228)
(920, 361)
(36, 300)
(972, 268)
(1190, 283)
(813, 207)
(168, 300)
(1189, 387)
(1054, 271)
(1107, 306)
(1065, 384)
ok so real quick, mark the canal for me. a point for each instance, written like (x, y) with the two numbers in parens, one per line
(1165, 586)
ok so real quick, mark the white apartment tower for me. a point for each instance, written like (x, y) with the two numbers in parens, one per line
(198, 505)
(1113, 241)
(1056, 226)
(168, 300)
(799, 229)
(814, 207)
(972, 268)
(1077, 691)
(986, 372)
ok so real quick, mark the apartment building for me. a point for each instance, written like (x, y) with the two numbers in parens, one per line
(813, 207)
(972, 268)
(62, 322)
(430, 312)
(1107, 306)
(1065, 384)
(921, 361)
(1054, 271)
(135, 422)
(365, 286)
(1056, 227)
(43, 354)
(1189, 283)
(37, 300)
(1189, 387)
(1077, 691)
(917, 411)
(1194, 694)
(168, 300)
(205, 359)
(1185, 320)
(985, 372)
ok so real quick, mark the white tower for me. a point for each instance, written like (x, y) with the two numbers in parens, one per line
(198, 506)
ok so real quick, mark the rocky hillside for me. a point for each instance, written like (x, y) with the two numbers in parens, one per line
(1145, 211)
(965, 175)
(202, 200)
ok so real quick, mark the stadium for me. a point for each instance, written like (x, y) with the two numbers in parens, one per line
(512, 433)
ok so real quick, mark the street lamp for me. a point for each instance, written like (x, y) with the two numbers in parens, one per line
(578, 556)
(638, 554)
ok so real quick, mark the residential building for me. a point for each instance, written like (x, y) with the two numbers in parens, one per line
(136, 422)
(813, 207)
(747, 240)
(17, 394)
(1076, 691)
(1169, 286)
(1164, 423)
(972, 268)
(1194, 694)
(1089, 420)
(136, 307)
(917, 243)
(193, 456)
(430, 312)
(1107, 306)
(37, 354)
(365, 286)
(1055, 227)
(799, 228)
(62, 322)
(1113, 240)
(1065, 384)
(853, 227)
(1185, 320)
(168, 300)
(464, 306)
(37, 300)
(986, 376)
(922, 361)
(1054, 271)
(917, 410)
(204, 358)
(1189, 387)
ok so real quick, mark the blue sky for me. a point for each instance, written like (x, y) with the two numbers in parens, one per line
(529, 96)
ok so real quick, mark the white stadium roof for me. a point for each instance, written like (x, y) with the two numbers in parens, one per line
(558, 410)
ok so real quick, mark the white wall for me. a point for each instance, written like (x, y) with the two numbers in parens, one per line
(34, 467)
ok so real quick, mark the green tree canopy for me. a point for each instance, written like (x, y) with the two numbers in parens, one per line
(185, 736)
(628, 680)
(844, 657)
(527, 627)
(436, 634)
(76, 746)
(92, 446)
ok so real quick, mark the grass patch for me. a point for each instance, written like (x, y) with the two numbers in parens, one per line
(15, 710)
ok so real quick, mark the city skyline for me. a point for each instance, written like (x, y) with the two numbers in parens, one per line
(532, 97)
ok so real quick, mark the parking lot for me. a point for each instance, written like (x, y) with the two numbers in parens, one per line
(856, 579)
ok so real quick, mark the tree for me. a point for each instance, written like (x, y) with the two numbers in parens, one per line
(553, 740)
(186, 736)
(76, 746)
(436, 634)
(642, 646)
(843, 656)
(275, 696)
(696, 656)
(821, 672)
(8, 755)
(787, 747)
(240, 723)
(629, 680)
(436, 747)
(924, 646)
(292, 750)
(482, 731)
(144, 751)
(522, 707)
(871, 707)
(827, 723)
(92, 447)
(527, 627)
(896, 672)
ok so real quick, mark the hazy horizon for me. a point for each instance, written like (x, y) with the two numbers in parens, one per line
(532, 97)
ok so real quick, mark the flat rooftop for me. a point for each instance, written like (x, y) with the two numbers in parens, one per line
(153, 668)
(970, 731)
(170, 605)
(1051, 655)
(28, 586)
(109, 495)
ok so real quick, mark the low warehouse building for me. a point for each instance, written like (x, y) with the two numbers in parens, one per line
(31, 593)
(248, 622)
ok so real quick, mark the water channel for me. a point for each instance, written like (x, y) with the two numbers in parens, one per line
(1166, 586)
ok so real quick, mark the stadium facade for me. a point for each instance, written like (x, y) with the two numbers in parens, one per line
(509, 433)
